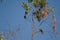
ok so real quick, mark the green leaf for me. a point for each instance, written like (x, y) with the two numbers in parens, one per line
(42, 3)
(35, 3)
(26, 7)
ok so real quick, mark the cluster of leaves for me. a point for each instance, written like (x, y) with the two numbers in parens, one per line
(40, 9)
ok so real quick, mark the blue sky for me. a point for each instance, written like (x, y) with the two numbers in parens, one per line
(12, 13)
